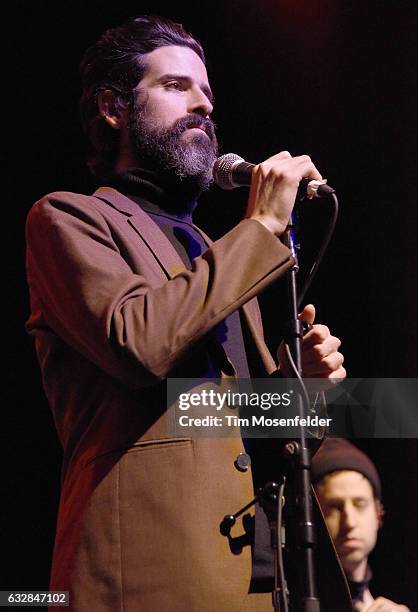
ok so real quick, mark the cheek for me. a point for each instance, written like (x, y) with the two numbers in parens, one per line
(165, 110)
(370, 529)
(333, 526)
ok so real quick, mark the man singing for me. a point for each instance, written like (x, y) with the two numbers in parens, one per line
(125, 292)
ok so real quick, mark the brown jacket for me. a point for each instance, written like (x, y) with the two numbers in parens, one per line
(113, 313)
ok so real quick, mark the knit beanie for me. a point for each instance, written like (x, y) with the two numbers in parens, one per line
(337, 454)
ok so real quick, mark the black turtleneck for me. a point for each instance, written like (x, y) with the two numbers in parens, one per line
(146, 186)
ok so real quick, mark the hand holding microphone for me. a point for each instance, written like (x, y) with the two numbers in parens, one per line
(274, 185)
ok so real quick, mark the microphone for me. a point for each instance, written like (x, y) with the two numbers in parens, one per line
(231, 171)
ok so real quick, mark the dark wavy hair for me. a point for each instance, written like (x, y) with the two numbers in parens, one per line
(117, 61)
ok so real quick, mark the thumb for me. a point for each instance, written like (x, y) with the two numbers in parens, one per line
(308, 314)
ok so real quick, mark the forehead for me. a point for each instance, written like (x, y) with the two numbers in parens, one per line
(173, 59)
(346, 484)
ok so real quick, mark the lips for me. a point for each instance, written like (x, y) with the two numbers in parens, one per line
(349, 543)
(197, 127)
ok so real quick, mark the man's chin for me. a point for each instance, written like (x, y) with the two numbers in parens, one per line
(351, 558)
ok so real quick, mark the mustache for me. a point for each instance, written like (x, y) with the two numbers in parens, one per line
(194, 121)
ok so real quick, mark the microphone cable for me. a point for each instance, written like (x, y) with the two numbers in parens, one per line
(321, 252)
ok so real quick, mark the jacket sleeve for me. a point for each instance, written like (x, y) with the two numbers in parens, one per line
(87, 294)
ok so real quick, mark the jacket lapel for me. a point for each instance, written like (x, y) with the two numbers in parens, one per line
(171, 264)
(156, 241)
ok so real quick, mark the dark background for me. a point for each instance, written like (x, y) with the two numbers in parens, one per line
(336, 80)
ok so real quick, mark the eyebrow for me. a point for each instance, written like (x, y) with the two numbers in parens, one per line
(182, 77)
(333, 500)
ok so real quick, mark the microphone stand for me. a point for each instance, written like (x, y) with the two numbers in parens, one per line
(299, 458)
(232, 171)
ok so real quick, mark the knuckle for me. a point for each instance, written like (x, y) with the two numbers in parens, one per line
(274, 174)
(321, 331)
(325, 330)
(262, 170)
(337, 342)
(276, 169)
(333, 361)
(342, 372)
(328, 363)
(260, 167)
(338, 373)
(318, 351)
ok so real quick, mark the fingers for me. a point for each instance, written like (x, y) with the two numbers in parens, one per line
(330, 367)
(318, 334)
(319, 342)
(320, 355)
(281, 155)
(319, 361)
(321, 358)
(381, 604)
(274, 186)
(324, 353)
(291, 168)
(308, 314)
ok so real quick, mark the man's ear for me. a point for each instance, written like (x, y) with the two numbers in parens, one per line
(380, 509)
(112, 109)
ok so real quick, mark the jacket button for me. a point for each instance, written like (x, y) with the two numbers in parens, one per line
(242, 462)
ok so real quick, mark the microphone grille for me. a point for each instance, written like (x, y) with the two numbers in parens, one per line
(222, 170)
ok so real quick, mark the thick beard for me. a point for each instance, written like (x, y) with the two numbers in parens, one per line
(184, 165)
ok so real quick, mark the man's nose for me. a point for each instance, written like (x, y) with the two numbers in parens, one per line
(199, 103)
(348, 516)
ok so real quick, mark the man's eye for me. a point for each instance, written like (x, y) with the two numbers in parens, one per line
(173, 85)
(361, 503)
(329, 509)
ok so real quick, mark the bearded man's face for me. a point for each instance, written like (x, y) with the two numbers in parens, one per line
(169, 128)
